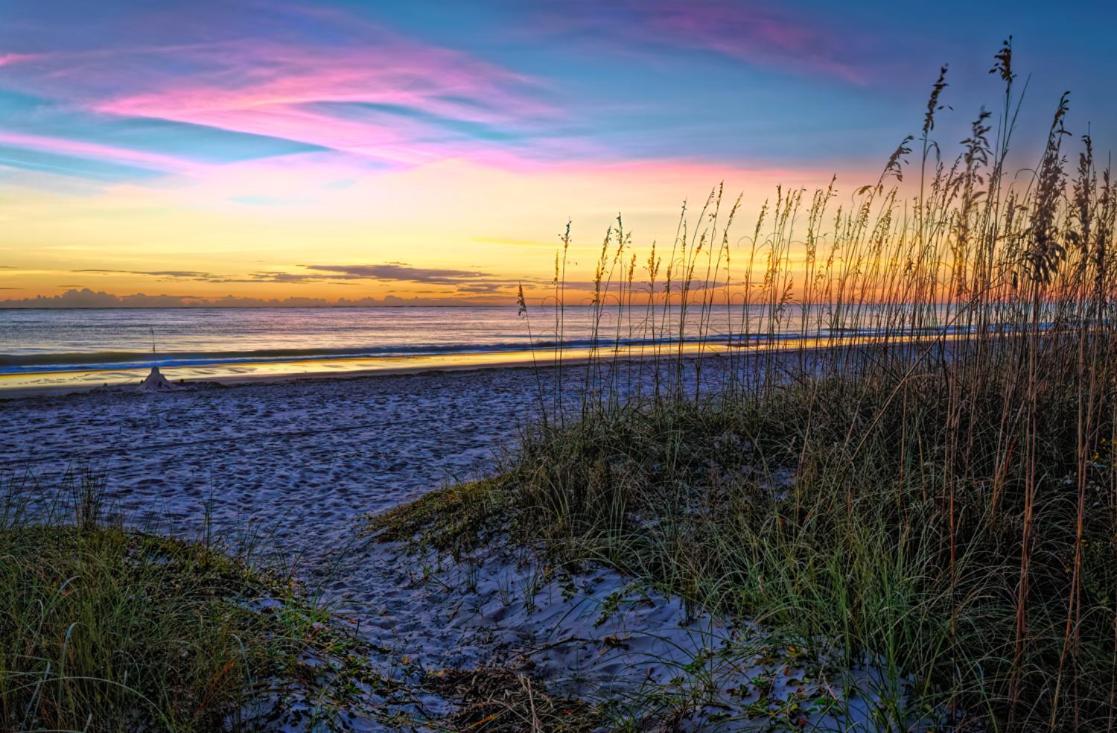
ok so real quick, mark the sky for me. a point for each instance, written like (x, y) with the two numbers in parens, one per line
(167, 153)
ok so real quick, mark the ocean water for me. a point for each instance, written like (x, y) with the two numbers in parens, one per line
(45, 347)
(123, 338)
(52, 347)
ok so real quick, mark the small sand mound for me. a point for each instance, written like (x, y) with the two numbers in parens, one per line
(156, 382)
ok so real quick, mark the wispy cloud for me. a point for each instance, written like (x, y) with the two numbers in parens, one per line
(87, 298)
(400, 272)
(326, 79)
(765, 34)
(16, 58)
(464, 281)
(162, 274)
(83, 149)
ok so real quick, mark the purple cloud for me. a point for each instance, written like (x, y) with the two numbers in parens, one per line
(752, 32)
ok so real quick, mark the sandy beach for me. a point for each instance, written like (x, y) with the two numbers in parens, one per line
(279, 455)
(300, 465)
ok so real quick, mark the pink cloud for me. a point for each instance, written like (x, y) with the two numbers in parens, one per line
(350, 85)
(255, 74)
(81, 149)
(316, 76)
(6, 59)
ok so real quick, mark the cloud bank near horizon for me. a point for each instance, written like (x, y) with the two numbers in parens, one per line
(87, 298)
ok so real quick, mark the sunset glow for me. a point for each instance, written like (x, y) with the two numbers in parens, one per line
(377, 152)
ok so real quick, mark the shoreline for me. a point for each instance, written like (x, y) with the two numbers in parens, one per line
(234, 380)
(78, 381)
(335, 369)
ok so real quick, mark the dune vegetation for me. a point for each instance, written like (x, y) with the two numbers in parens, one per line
(103, 629)
(907, 453)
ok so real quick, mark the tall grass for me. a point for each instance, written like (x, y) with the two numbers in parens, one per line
(901, 436)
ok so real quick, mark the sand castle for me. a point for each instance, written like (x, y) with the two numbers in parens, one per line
(156, 382)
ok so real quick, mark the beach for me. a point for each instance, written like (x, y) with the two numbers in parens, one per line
(288, 469)
(295, 468)
(298, 465)
(286, 455)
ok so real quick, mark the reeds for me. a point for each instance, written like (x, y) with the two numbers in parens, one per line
(932, 360)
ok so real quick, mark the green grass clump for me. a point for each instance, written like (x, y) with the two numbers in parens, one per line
(451, 520)
(103, 629)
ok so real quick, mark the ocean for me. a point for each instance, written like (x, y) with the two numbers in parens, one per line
(57, 347)
(47, 347)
